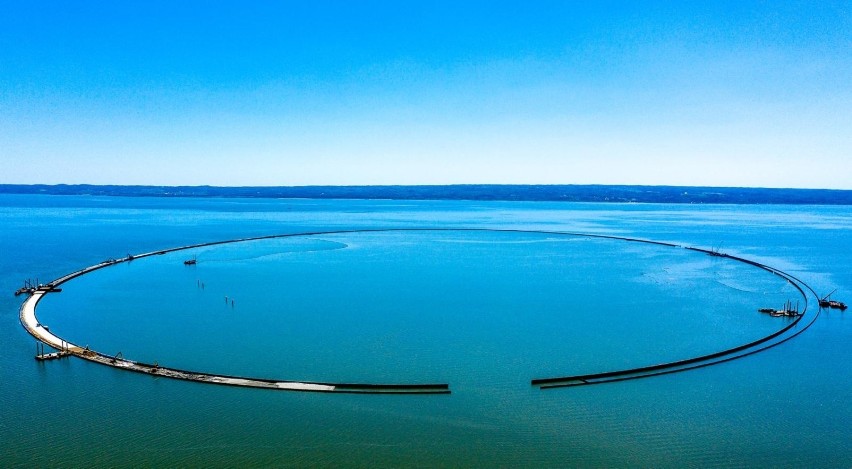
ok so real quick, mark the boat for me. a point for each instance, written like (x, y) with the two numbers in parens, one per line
(827, 302)
(192, 261)
(787, 311)
(27, 288)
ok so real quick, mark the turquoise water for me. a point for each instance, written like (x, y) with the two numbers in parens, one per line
(484, 312)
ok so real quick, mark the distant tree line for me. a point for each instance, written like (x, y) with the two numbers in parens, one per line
(562, 193)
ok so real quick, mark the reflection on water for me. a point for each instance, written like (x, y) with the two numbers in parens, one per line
(270, 249)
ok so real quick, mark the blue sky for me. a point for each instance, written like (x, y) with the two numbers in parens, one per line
(302, 93)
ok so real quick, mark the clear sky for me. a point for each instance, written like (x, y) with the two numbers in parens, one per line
(356, 92)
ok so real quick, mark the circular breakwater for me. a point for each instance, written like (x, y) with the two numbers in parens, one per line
(790, 329)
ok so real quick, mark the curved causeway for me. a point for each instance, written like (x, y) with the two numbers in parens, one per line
(42, 333)
(788, 332)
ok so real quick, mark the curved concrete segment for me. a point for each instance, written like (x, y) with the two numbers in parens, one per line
(796, 327)
(42, 333)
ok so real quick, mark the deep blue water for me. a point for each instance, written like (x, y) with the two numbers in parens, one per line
(484, 312)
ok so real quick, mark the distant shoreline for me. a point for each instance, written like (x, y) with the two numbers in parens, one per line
(473, 192)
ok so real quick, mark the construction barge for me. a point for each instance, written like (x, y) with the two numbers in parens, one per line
(29, 288)
(786, 311)
(827, 302)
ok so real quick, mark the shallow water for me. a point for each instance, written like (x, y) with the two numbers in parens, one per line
(485, 312)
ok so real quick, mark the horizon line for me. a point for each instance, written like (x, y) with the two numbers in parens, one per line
(464, 184)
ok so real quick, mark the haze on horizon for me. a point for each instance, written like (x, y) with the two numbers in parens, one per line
(725, 93)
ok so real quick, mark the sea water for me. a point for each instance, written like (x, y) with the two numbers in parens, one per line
(483, 311)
